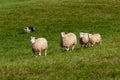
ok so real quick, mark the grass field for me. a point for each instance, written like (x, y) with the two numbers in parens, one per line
(50, 17)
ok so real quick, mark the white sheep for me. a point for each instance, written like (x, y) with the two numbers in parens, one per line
(68, 40)
(38, 45)
(84, 39)
(95, 39)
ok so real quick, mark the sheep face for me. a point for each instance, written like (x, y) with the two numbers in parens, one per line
(81, 34)
(89, 35)
(32, 39)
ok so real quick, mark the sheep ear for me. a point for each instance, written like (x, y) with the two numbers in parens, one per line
(89, 35)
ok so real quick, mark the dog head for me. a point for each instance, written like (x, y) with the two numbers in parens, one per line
(29, 29)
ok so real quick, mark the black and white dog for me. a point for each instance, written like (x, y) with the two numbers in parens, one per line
(29, 29)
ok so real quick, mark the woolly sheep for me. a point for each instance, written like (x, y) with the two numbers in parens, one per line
(38, 45)
(68, 40)
(84, 39)
(95, 39)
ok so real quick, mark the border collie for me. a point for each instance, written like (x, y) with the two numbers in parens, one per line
(29, 29)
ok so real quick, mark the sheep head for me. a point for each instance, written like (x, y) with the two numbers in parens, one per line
(62, 34)
(32, 39)
(81, 34)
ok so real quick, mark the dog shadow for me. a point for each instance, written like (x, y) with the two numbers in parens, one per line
(22, 33)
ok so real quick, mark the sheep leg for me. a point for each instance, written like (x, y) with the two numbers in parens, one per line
(85, 45)
(34, 52)
(100, 43)
(67, 49)
(39, 53)
(36, 56)
(92, 44)
(45, 52)
(73, 47)
(81, 45)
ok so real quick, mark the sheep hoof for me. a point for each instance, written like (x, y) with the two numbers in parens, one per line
(39, 55)
(45, 54)
(67, 49)
(73, 48)
(36, 56)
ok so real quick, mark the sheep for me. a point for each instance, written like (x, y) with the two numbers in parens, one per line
(95, 39)
(68, 40)
(84, 39)
(38, 45)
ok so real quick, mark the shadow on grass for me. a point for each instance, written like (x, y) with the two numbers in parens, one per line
(22, 33)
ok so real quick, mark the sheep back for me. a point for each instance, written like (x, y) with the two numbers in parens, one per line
(84, 38)
(69, 39)
(95, 38)
(40, 44)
